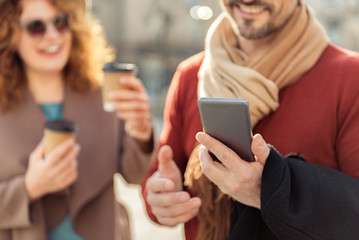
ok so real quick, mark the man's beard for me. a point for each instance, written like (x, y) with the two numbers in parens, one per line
(258, 33)
(245, 29)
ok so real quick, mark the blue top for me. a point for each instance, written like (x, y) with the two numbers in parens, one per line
(65, 229)
(52, 111)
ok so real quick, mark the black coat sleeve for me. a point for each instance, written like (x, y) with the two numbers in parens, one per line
(307, 201)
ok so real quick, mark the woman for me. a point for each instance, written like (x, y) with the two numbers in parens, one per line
(51, 57)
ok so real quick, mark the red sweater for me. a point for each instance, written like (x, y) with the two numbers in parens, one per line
(318, 116)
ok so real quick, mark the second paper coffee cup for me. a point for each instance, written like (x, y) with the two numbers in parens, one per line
(56, 132)
(113, 71)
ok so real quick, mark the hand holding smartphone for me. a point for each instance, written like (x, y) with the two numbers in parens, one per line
(228, 120)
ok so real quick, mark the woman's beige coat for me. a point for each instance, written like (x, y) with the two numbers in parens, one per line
(105, 150)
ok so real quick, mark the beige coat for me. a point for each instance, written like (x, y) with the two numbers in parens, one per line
(105, 149)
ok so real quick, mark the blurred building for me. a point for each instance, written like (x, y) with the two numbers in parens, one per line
(340, 18)
(158, 34)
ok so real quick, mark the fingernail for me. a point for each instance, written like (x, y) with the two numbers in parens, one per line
(168, 186)
(202, 149)
(194, 201)
(201, 137)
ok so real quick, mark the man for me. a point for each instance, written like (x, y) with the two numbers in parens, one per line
(303, 94)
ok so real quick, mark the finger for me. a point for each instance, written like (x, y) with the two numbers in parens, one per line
(260, 148)
(167, 199)
(128, 95)
(213, 170)
(38, 152)
(60, 151)
(62, 179)
(71, 155)
(166, 165)
(172, 221)
(157, 184)
(226, 155)
(138, 117)
(129, 106)
(178, 209)
(68, 177)
(205, 154)
(68, 162)
(179, 219)
(134, 110)
(132, 83)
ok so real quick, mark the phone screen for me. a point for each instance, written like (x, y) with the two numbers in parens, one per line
(228, 120)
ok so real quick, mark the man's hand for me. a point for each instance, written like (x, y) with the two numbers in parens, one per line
(169, 203)
(234, 176)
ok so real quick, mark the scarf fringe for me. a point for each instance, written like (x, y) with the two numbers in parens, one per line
(214, 215)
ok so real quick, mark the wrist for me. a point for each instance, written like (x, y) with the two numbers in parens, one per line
(143, 133)
(32, 191)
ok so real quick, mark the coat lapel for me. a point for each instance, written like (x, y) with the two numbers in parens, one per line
(21, 130)
(100, 146)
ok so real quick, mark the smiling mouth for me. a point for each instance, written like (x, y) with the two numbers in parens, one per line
(52, 49)
(254, 7)
(251, 9)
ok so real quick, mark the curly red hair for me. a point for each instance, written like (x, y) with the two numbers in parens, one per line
(83, 70)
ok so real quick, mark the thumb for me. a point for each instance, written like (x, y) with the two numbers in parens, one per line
(166, 165)
(38, 152)
(260, 148)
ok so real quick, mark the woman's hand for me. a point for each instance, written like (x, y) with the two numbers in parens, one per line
(132, 105)
(55, 173)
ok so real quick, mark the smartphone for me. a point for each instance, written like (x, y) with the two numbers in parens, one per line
(228, 120)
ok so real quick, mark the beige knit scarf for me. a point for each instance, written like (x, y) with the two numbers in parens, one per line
(228, 72)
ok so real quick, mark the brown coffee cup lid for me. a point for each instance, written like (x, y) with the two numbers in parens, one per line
(120, 67)
(63, 125)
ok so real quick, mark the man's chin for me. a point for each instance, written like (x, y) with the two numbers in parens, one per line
(255, 33)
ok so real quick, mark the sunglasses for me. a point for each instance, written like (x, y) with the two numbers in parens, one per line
(37, 28)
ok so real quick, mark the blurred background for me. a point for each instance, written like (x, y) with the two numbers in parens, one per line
(158, 34)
